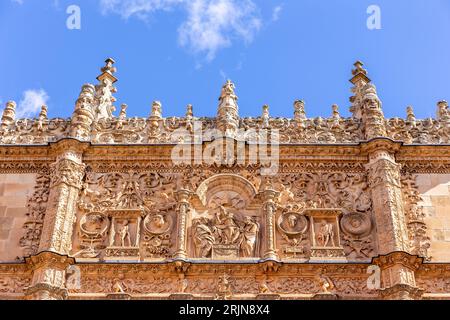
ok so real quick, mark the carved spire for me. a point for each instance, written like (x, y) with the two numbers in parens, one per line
(43, 115)
(104, 91)
(335, 112)
(9, 114)
(123, 111)
(366, 105)
(265, 117)
(299, 112)
(359, 80)
(189, 118)
(189, 112)
(156, 110)
(372, 114)
(442, 111)
(410, 116)
(83, 116)
(155, 118)
(228, 111)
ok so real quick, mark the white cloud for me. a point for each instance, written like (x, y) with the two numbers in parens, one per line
(211, 25)
(276, 13)
(18, 1)
(31, 103)
(138, 8)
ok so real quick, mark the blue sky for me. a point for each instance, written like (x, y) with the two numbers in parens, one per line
(276, 51)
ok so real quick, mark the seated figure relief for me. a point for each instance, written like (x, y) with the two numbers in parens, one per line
(225, 233)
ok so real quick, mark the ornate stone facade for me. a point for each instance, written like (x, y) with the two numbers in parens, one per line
(112, 215)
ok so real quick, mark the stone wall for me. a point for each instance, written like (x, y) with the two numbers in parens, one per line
(435, 191)
(14, 192)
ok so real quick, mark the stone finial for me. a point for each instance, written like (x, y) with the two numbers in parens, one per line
(442, 111)
(265, 116)
(359, 68)
(228, 90)
(227, 113)
(359, 81)
(371, 113)
(83, 115)
(299, 110)
(9, 114)
(123, 111)
(410, 116)
(104, 91)
(189, 117)
(189, 111)
(335, 112)
(43, 115)
(108, 71)
(156, 109)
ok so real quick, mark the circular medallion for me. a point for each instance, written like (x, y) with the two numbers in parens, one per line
(94, 224)
(356, 224)
(157, 223)
(292, 223)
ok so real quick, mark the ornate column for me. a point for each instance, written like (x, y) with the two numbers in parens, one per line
(269, 206)
(385, 187)
(397, 276)
(66, 182)
(183, 197)
(49, 276)
(388, 206)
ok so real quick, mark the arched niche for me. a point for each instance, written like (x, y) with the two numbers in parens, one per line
(226, 187)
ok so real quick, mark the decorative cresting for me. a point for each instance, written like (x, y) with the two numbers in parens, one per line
(94, 120)
(108, 195)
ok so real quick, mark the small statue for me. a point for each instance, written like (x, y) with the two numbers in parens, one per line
(250, 234)
(325, 234)
(124, 234)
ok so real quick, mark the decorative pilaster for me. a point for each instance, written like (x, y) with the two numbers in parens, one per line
(397, 276)
(385, 187)
(183, 197)
(269, 207)
(49, 276)
(66, 182)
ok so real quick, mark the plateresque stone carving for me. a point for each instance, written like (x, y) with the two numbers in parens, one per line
(108, 198)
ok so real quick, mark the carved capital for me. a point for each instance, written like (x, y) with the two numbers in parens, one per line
(44, 291)
(401, 292)
(412, 262)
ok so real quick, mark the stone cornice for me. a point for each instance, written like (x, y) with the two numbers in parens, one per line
(407, 260)
(49, 259)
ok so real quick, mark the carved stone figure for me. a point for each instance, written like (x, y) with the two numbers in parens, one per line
(250, 234)
(124, 234)
(203, 237)
(325, 236)
(226, 227)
